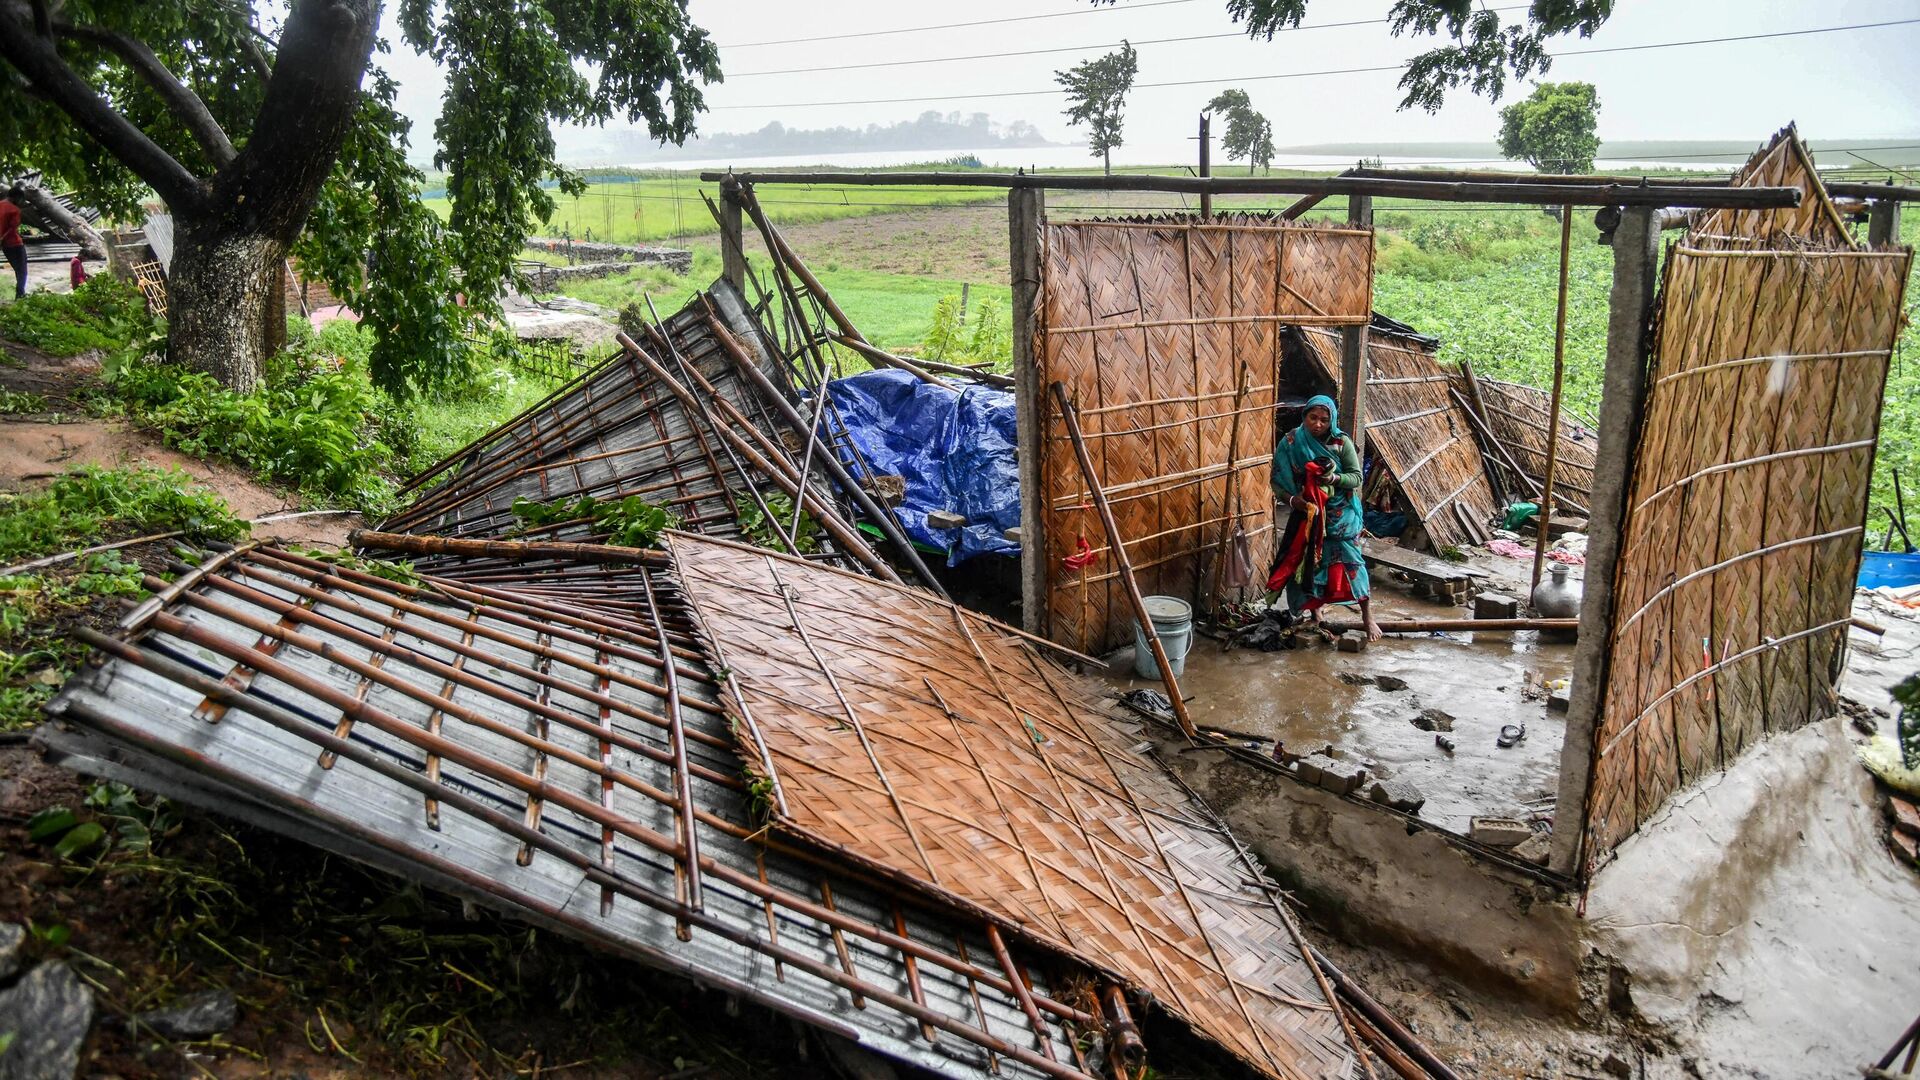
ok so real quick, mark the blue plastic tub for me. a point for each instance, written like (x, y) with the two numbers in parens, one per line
(1893, 568)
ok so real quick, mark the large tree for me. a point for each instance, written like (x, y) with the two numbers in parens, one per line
(1554, 128)
(1485, 47)
(262, 137)
(1248, 134)
(1097, 97)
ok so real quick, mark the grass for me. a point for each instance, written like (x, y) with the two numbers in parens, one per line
(103, 314)
(660, 206)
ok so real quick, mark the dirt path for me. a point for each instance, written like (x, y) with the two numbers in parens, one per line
(34, 450)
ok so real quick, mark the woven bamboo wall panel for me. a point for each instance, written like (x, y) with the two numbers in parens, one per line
(940, 749)
(1783, 162)
(1416, 428)
(1166, 333)
(1517, 416)
(1745, 514)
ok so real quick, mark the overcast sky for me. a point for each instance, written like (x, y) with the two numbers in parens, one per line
(1860, 84)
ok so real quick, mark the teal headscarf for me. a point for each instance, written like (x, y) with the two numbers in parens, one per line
(1299, 446)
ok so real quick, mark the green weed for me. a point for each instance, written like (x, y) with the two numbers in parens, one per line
(16, 401)
(104, 314)
(628, 522)
(91, 505)
(762, 531)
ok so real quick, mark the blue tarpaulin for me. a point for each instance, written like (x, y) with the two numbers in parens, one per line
(954, 446)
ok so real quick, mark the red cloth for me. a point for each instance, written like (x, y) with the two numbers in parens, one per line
(1301, 545)
(9, 224)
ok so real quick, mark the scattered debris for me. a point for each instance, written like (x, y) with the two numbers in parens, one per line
(1433, 720)
(13, 940)
(1491, 605)
(1353, 641)
(1510, 735)
(1500, 832)
(49, 1012)
(1389, 683)
(1443, 743)
(194, 1016)
(1399, 794)
(1534, 848)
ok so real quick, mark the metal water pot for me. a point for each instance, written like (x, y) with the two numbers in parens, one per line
(1557, 597)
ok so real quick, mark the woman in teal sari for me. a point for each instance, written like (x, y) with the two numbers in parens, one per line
(1316, 470)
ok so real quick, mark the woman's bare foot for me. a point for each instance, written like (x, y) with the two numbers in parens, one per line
(1373, 629)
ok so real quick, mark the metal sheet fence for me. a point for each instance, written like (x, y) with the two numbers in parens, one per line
(1744, 516)
(1166, 334)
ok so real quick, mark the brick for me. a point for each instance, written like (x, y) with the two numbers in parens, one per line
(1342, 777)
(1906, 817)
(1493, 605)
(1309, 768)
(1535, 848)
(1499, 832)
(1560, 700)
(1908, 847)
(1398, 794)
(945, 519)
(1353, 641)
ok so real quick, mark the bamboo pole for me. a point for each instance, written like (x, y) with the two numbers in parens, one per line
(785, 410)
(1068, 416)
(1427, 626)
(829, 519)
(1553, 407)
(1527, 191)
(885, 358)
(785, 255)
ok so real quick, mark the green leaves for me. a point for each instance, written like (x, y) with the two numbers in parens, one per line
(629, 522)
(770, 533)
(81, 505)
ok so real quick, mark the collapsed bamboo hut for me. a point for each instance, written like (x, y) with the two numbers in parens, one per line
(1511, 421)
(599, 752)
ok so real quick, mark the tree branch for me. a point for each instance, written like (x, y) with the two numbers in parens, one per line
(184, 103)
(34, 56)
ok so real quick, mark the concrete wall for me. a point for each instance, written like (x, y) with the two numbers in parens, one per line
(1362, 873)
(1762, 917)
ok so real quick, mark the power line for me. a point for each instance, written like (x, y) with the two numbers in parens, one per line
(953, 26)
(1315, 74)
(1065, 48)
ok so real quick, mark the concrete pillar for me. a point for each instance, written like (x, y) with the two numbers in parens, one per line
(1353, 350)
(1883, 222)
(1636, 256)
(1026, 216)
(733, 256)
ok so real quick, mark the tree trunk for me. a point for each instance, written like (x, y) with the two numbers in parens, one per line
(1106, 161)
(220, 296)
(44, 211)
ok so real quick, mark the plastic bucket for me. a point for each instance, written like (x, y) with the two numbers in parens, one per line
(1173, 625)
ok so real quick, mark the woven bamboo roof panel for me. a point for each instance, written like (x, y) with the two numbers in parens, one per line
(1166, 333)
(1419, 432)
(1745, 516)
(941, 748)
(568, 761)
(1783, 162)
(1517, 416)
(622, 429)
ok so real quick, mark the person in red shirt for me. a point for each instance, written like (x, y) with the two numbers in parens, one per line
(10, 244)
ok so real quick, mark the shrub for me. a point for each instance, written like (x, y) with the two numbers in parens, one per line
(104, 314)
(88, 505)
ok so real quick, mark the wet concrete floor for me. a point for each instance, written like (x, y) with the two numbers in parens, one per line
(1300, 698)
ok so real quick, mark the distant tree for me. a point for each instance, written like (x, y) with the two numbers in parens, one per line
(1553, 129)
(1248, 134)
(1096, 93)
(258, 125)
(1484, 50)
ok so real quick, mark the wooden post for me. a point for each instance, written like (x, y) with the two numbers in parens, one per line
(1117, 545)
(1026, 217)
(1636, 251)
(1353, 352)
(1883, 222)
(733, 256)
(1545, 516)
(1206, 164)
